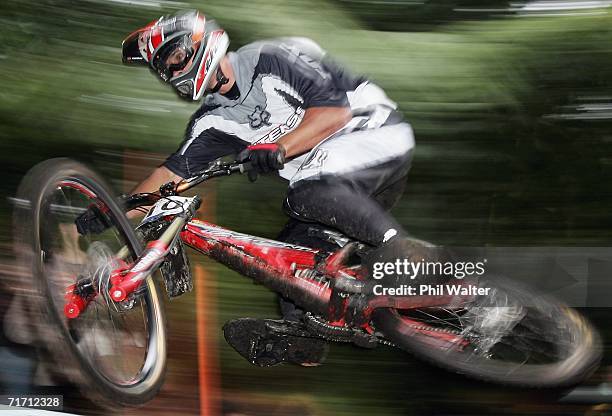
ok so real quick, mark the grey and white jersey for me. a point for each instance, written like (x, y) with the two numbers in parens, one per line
(277, 81)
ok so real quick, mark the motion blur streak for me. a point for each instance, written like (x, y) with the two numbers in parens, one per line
(206, 310)
(207, 360)
(511, 105)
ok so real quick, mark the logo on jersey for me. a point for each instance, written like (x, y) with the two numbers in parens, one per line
(282, 129)
(260, 117)
(316, 160)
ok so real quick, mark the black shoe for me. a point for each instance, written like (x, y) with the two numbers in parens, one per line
(268, 342)
(403, 248)
(289, 310)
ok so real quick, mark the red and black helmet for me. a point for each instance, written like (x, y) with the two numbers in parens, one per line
(183, 49)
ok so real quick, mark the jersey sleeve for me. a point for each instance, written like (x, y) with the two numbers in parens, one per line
(312, 80)
(203, 144)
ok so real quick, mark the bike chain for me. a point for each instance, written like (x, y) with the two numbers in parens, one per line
(433, 329)
(326, 330)
(330, 332)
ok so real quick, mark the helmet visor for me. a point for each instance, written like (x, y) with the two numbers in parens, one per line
(173, 57)
(134, 48)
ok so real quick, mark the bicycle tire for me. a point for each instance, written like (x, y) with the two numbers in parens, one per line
(550, 315)
(28, 224)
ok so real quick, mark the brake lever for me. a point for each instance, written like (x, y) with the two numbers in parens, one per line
(168, 189)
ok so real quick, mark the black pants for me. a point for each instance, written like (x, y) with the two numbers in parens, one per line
(356, 204)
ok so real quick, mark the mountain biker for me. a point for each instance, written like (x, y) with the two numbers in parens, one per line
(284, 106)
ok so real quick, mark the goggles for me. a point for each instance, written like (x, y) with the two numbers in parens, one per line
(174, 56)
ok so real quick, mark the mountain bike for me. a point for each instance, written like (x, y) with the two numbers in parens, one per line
(99, 298)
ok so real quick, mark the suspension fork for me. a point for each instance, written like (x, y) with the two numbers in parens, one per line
(126, 279)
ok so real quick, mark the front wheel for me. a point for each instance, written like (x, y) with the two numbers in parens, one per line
(113, 351)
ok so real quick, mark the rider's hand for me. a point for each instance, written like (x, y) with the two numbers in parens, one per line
(92, 221)
(264, 158)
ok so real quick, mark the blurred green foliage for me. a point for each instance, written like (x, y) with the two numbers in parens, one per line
(509, 112)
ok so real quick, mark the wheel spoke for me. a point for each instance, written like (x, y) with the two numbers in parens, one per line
(105, 339)
(524, 343)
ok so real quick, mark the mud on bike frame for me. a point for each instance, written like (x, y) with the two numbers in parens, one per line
(317, 281)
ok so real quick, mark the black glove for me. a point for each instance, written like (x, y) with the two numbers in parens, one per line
(92, 221)
(264, 158)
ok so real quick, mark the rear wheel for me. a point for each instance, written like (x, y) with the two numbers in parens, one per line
(113, 350)
(511, 336)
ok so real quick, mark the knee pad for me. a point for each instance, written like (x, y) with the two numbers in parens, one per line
(300, 201)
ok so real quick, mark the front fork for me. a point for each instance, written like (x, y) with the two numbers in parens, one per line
(126, 279)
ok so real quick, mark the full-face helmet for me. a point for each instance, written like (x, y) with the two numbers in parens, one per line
(183, 49)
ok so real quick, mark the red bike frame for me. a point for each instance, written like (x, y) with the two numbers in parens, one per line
(317, 281)
(304, 275)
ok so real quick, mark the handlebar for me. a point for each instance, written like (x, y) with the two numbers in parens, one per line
(216, 169)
